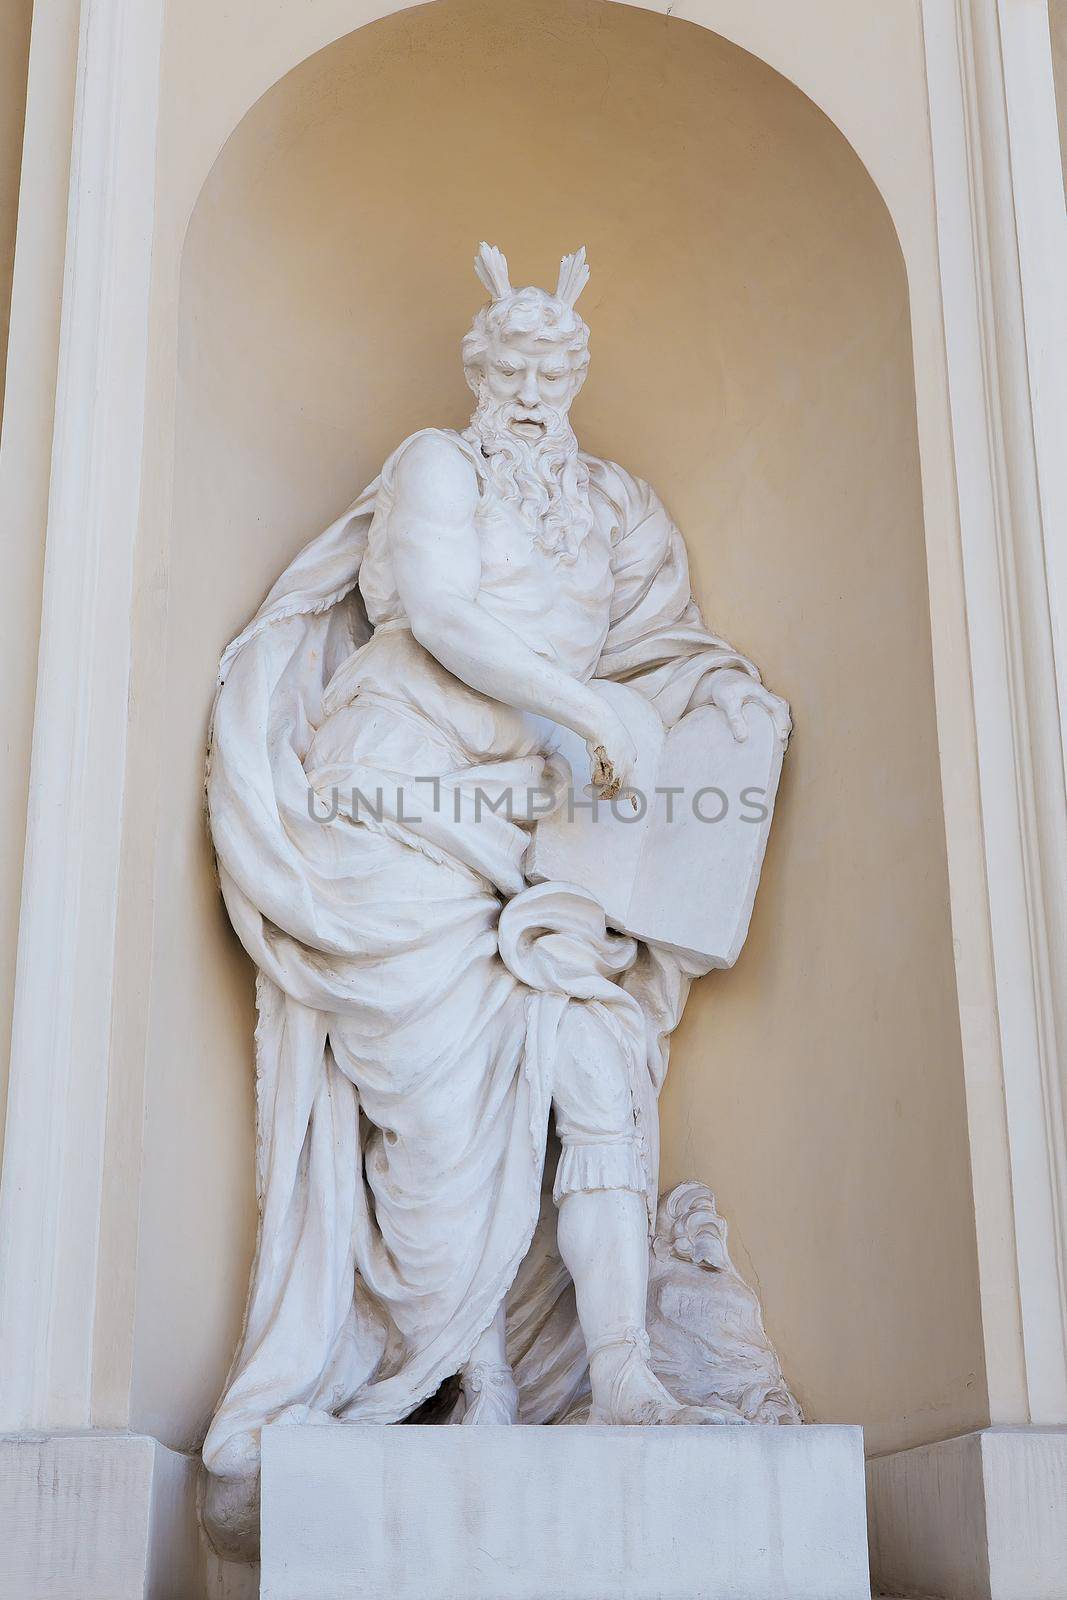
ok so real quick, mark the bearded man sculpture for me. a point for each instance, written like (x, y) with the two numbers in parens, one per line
(425, 1013)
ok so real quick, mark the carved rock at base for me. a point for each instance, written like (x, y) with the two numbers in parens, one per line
(705, 1322)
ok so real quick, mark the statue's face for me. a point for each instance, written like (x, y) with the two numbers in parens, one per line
(531, 383)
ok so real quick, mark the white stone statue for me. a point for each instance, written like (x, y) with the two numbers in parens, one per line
(431, 1022)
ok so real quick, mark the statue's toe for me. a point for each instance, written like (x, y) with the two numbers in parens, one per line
(708, 1417)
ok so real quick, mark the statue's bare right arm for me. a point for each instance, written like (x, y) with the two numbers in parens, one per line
(437, 565)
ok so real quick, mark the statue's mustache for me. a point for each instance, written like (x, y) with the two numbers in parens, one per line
(496, 419)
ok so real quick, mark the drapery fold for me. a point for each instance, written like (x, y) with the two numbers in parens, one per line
(407, 975)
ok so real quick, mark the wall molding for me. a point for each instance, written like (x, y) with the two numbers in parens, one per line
(1003, 260)
(57, 1100)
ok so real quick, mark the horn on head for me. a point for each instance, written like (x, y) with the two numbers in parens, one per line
(573, 277)
(492, 268)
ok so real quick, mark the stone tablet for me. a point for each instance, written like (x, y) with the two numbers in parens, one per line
(681, 869)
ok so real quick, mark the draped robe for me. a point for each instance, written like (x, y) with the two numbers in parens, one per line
(413, 995)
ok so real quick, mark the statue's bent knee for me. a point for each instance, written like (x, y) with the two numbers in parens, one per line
(594, 1113)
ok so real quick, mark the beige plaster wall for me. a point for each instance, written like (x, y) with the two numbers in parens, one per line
(1057, 16)
(752, 358)
(14, 56)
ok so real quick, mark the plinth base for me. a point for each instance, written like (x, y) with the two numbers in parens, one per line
(97, 1516)
(576, 1513)
(980, 1517)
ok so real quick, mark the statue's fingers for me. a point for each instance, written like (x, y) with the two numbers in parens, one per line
(604, 777)
(738, 726)
(783, 720)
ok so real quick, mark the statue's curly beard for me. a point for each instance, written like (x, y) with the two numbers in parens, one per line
(545, 478)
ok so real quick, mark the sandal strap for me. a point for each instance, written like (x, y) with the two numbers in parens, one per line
(636, 1338)
(486, 1375)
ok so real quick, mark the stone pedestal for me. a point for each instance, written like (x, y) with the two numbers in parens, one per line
(578, 1513)
(981, 1517)
(97, 1516)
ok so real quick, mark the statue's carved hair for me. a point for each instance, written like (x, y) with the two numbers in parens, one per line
(548, 317)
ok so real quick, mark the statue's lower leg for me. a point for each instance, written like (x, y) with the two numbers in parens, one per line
(603, 1239)
(488, 1384)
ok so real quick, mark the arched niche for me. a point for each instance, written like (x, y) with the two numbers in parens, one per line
(751, 357)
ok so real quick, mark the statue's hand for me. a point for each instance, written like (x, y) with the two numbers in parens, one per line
(612, 755)
(733, 690)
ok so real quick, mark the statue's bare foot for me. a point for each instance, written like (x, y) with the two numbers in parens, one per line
(627, 1393)
(490, 1394)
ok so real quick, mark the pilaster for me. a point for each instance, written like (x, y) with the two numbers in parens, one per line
(51, 1188)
